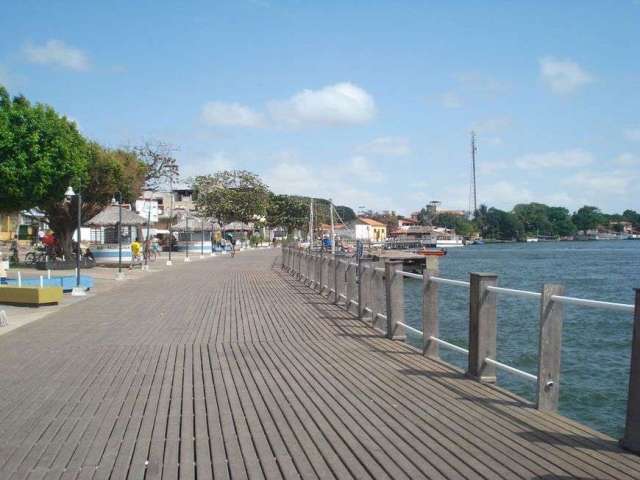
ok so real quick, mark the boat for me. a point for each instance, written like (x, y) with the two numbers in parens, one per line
(449, 241)
(432, 252)
(532, 239)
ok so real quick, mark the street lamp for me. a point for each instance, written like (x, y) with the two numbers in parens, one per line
(120, 275)
(187, 235)
(201, 237)
(69, 194)
(169, 262)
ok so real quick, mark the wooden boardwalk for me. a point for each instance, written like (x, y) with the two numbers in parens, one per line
(228, 368)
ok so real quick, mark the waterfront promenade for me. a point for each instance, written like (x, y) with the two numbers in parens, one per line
(229, 368)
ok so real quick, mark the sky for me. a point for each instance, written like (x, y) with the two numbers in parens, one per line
(368, 103)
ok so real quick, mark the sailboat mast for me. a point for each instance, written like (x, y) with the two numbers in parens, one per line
(311, 223)
(474, 149)
(333, 232)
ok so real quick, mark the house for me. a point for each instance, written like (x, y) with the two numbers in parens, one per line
(368, 229)
(407, 222)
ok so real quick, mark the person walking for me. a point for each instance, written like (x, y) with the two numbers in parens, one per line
(136, 250)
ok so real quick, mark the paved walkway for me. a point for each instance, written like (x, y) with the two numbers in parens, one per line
(241, 372)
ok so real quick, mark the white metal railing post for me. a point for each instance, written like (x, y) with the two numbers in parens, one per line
(549, 348)
(336, 279)
(319, 270)
(394, 297)
(283, 255)
(631, 439)
(379, 296)
(482, 327)
(364, 292)
(430, 327)
(351, 277)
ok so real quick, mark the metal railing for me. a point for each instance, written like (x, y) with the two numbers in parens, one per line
(377, 294)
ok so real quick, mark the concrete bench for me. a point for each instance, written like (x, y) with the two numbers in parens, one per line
(32, 296)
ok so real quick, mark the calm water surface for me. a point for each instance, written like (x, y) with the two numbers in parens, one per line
(596, 343)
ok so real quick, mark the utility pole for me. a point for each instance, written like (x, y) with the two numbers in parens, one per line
(333, 233)
(474, 192)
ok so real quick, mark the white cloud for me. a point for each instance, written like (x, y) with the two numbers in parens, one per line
(5, 77)
(387, 146)
(490, 168)
(627, 160)
(295, 177)
(565, 159)
(505, 194)
(451, 100)
(481, 84)
(57, 53)
(632, 133)
(339, 104)
(612, 183)
(492, 125)
(223, 114)
(366, 172)
(563, 76)
(203, 164)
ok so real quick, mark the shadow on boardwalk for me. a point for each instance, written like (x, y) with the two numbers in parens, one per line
(231, 369)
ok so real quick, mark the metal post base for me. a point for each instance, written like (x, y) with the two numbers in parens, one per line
(187, 259)
(145, 268)
(201, 257)
(78, 292)
(169, 263)
(120, 276)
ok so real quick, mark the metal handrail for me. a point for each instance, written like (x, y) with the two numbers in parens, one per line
(409, 327)
(623, 307)
(514, 292)
(379, 269)
(507, 368)
(449, 345)
(409, 274)
(448, 281)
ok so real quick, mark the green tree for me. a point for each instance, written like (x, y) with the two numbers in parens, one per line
(346, 213)
(460, 224)
(480, 219)
(587, 218)
(561, 223)
(632, 216)
(41, 153)
(503, 225)
(534, 218)
(107, 171)
(289, 211)
(231, 195)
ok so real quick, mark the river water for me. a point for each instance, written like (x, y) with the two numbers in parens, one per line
(596, 343)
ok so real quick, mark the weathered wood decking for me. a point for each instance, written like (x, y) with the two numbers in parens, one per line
(228, 368)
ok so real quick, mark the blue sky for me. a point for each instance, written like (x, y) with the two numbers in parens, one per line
(370, 103)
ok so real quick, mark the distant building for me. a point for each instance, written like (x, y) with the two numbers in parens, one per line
(456, 213)
(368, 229)
(406, 222)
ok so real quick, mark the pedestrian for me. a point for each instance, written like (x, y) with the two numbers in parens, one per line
(136, 248)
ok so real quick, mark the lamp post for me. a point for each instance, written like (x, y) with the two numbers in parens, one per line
(120, 275)
(169, 262)
(69, 194)
(147, 242)
(186, 227)
(201, 238)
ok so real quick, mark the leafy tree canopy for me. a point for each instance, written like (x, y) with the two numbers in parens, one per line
(41, 153)
(231, 195)
(587, 218)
